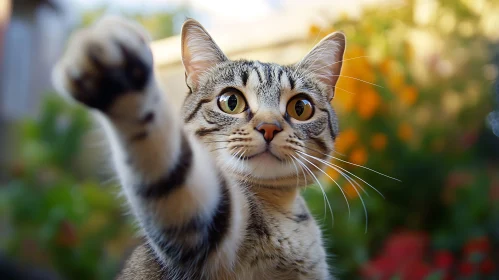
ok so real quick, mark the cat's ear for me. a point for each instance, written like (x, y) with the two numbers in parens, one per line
(325, 60)
(199, 52)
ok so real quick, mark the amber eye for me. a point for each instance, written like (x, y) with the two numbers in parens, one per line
(300, 108)
(232, 101)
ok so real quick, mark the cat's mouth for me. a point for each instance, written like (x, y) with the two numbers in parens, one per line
(266, 153)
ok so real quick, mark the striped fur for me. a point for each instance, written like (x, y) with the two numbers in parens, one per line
(214, 200)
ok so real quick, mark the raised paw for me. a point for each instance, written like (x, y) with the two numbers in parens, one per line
(104, 62)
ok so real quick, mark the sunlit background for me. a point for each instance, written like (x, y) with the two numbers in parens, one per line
(417, 100)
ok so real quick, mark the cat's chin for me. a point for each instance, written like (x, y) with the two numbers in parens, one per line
(264, 165)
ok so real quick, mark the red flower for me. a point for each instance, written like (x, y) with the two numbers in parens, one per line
(477, 245)
(380, 268)
(406, 246)
(443, 259)
(466, 269)
(403, 254)
(487, 267)
(415, 270)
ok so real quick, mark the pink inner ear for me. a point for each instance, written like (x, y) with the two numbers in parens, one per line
(199, 52)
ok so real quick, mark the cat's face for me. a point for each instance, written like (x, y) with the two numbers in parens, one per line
(261, 120)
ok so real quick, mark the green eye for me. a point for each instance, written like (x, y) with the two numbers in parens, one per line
(232, 101)
(300, 108)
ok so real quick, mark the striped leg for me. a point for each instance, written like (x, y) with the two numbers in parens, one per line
(187, 209)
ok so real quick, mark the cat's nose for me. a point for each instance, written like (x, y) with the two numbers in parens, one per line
(268, 130)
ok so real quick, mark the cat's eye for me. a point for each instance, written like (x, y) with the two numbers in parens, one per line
(300, 108)
(232, 101)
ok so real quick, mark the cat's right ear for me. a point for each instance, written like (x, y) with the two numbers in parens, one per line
(199, 52)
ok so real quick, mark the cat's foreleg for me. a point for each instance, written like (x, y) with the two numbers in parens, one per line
(186, 207)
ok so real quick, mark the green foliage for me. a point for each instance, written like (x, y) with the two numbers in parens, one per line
(52, 216)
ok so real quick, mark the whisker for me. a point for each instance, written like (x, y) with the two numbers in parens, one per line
(337, 87)
(360, 80)
(362, 201)
(221, 134)
(321, 187)
(364, 206)
(322, 191)
(367, 168)
(221, 148)
(217, 141)
(336, 167)
(328, 65)
(344, 195)
(242, 154)
(297, 174)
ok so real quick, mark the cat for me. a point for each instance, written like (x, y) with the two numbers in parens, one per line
(216, 191)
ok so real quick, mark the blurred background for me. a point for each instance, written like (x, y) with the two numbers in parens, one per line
(418, 101)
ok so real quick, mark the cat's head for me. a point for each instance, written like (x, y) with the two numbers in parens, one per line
(262, 121)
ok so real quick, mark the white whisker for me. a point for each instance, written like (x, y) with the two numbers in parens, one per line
(328, 65)
(339, 187)
(297, 174)
(336, 167)
(367, 168)
(321, 187)
(337, 87)
(360, 80)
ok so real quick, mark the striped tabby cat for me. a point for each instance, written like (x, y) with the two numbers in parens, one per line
(216, 191)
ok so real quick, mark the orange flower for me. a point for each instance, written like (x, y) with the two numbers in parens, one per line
(369, 102)
(396, 78)
(332, 173)
(358, 156)
(378, 141)
(345, 96)
(345, 140)
(314, 30)
(355, 51)
(386, 66)
(409, 95)
(405, 132)
(350, 191)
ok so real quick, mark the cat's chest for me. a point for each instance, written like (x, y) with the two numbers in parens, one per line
(290, 247)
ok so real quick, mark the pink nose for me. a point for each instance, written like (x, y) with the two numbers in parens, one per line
(268, 130)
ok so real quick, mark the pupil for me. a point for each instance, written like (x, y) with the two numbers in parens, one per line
(232, 102)
(299, 107)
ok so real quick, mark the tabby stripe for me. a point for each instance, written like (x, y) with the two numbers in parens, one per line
(279, 75)
(221, 221)
(321, 143)
(257, 224)
(329, 118)
(198, 107)
(206, 119)
(268, 73)
(214, 233)
(244, 77)
(291, 82)
(204, 131)
(174, 179)
(258, 74)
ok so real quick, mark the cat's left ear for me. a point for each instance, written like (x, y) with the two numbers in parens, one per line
(325, 60)
(199, 52)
